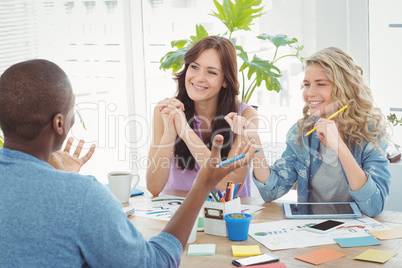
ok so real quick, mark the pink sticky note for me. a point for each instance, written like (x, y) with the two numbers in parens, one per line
(320, 256)
(269, 265)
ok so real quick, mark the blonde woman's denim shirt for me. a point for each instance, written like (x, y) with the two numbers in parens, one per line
(300, 163)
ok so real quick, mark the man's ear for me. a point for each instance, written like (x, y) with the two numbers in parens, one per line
(58, 123)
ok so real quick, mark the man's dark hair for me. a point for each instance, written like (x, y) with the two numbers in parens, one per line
(31, 94)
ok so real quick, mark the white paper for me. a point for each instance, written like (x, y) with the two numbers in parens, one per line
(166, 202)
(287, 234)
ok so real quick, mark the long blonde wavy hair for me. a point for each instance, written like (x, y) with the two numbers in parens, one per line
(349, 89)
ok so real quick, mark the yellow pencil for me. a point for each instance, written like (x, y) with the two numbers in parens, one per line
(329, 118)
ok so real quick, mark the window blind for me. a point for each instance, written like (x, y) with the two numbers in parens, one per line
(18, 32)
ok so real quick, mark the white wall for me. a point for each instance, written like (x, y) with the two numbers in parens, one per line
(386, 57)
(344, 24)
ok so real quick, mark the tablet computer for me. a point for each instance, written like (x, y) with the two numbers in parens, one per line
(341, 210)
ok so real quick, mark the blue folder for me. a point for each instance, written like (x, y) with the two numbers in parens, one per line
(135, 192)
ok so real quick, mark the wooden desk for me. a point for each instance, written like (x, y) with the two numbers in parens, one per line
(272, 212)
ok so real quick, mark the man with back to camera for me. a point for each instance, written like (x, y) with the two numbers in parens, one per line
(54, 218)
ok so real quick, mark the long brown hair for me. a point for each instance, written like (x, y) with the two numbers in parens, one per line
(227, 97)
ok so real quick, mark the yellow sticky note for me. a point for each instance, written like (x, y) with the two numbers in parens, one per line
(243, 251)
(376, 255)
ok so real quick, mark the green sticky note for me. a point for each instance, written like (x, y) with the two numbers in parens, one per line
(201, 223)
(201, 249)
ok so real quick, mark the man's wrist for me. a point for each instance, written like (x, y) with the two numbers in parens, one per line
(201, 187)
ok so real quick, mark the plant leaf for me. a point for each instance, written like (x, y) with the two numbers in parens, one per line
(264, 71)
(242, 54)
(278, 40)
(200, 33)
(79, 116)
(179, 43)
(238, 15)
(299, 48)
(175, 59)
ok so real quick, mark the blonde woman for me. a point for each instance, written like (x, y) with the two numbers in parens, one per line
(344, 159)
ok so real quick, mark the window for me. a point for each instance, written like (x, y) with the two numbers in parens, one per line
(86, 39)
(165, 21)
(18, 32)
(111, 51)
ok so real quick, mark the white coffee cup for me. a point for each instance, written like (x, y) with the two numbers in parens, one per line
(121, 184)
(193, 234)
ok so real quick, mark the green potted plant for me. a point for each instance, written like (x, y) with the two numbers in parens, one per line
(394, 120)
(239, 16)
(394, 154)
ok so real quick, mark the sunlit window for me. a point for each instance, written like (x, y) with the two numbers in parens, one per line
(111, 50)
(86, 39)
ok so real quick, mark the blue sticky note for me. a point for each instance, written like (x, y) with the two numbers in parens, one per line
(357, 241)
(135, 192)
(201, 249)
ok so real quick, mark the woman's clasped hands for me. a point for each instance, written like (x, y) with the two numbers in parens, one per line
(241, 126)
(174, 119)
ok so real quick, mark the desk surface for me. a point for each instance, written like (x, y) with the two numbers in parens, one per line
(271, 212)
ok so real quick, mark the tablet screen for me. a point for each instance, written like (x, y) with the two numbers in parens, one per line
(320, 209)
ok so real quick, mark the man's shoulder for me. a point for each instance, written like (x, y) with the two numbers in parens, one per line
(72, 177)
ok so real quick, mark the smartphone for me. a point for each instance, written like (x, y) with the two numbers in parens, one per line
(255, 260)
(324, 227)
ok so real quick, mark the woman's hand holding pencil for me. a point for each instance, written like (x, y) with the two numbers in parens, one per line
(328, 133)
(329, 118)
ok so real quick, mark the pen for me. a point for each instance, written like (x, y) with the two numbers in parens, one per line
(329, 118)
(233, 159)
(214, 195)
(228, 193)
(166, 199)
(220, 195)
(223, 200)
(232, 187)
(238, 190)
(155, 212)
(235, 190)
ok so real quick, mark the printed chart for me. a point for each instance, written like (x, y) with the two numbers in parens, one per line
(293, 234)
